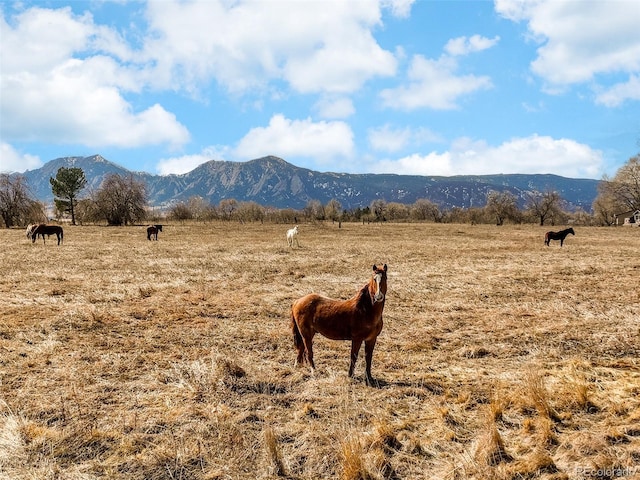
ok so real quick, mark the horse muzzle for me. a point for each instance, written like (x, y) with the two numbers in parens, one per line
(378, 297)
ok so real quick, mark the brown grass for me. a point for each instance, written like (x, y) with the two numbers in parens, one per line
(500, 357)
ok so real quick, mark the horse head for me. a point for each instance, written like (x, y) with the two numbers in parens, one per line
(379, 283)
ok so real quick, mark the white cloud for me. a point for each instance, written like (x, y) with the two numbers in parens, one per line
(42, 39)
(186, 163)
(393, 139)
(620, 92)
(579, 41)
(14, 161)
(323, 141)
(433, 84)
(68, 107)
(57, 88)
(313, 46)
(330, 107)
(399, 8)
(534, 154)
(465, 45)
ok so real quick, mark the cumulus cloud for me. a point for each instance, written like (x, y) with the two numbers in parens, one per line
(14, 161)
(312, 46)
(578, 44)
(388, 138)
(186, 163)
(620, 92)
(433, 84)
(331, 107)
(324, 141)
(534, 154)
(399, 8)
(57, 88)
(465, 45)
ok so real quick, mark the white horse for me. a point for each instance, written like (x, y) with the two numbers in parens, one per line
(292, 235)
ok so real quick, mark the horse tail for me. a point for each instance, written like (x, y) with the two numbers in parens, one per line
(297, 337)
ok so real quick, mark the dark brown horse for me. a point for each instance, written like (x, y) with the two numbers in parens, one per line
(152, 231)
(358, 319)
(47, 230)
(557, 236)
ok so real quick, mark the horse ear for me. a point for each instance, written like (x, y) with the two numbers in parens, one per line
(374, 267)
(385, 267)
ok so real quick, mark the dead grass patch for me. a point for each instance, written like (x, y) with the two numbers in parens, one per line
(500, 358)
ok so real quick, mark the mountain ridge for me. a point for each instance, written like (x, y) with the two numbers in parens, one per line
(272, 181)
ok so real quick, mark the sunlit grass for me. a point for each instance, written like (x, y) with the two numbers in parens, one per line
(500, 357)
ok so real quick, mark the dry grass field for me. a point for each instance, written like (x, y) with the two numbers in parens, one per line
(500, 358)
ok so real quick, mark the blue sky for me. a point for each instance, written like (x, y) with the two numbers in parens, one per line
(363, 86)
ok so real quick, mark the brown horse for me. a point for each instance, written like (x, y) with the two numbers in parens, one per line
(557, 236)
(152, 231)
(47, 230)
(358, 319)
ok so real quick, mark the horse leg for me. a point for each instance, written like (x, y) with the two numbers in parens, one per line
(369, 345)
(355, 348)
(308, 345)
(297, 342)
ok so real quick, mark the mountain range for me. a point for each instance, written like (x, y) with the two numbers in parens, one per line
(271, 181)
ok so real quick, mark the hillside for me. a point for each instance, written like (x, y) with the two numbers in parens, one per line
(271, 181)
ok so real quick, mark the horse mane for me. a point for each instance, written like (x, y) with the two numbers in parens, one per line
(363, 298)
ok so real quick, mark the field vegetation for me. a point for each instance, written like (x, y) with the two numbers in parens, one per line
(500, 358)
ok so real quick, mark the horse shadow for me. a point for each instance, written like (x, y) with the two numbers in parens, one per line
(425, 386)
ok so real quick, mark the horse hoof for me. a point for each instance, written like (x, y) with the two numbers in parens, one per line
(371, 382)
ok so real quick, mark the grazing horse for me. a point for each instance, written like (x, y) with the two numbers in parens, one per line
(47, 230)
(557, 236)
(30, 228)
(152, 231)
(358, 319)
(292, 235)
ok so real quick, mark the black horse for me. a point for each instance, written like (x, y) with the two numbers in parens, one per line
(47, 230)
(152, 231)
(557, 236)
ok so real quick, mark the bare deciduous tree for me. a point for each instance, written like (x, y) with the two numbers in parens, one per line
(378, 209)
(502, 206)
(605, 206)
(16, 207)
(121, 200)
(314, 210)
(544, 206)
(623, 190)
(227, 207)
(333, 210)
(250, 212)
(424, 209)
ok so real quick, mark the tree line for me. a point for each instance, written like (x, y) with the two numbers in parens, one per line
(121, 200)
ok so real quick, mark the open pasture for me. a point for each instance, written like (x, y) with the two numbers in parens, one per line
(500, 357)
